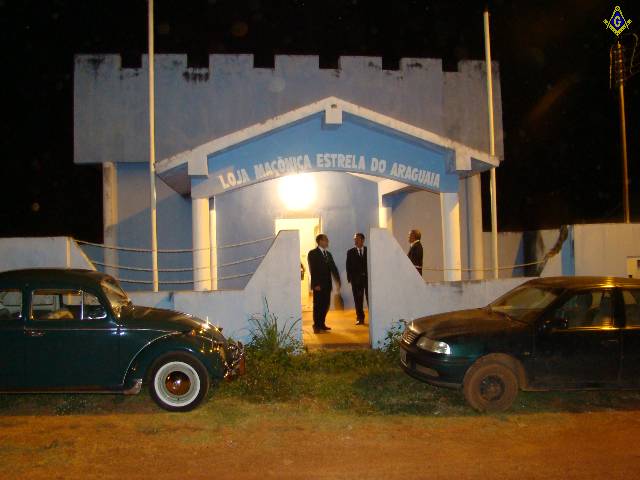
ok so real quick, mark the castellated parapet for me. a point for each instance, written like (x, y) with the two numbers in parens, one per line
(196, 105)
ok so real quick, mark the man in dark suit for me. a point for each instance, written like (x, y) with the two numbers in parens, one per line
(415, 251)
(357, 275)
(322, 267)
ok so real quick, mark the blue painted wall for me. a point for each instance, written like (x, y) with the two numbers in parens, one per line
(134, 230)
(345, 204)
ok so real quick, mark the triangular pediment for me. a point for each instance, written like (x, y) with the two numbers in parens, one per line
(346, 119)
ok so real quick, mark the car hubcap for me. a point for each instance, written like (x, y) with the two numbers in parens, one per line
(492, 388)
(177, 384)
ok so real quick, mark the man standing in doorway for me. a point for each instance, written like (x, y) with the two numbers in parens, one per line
(357, 275)
(415, 250)
(322, 267)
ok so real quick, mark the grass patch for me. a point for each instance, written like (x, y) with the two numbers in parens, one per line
(356, 382)
(370, 382)
(361, 381)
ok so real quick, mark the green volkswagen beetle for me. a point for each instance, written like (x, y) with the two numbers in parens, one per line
(77, 331)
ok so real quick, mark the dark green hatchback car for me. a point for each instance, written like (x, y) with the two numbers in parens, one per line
(77, 331)
(549, 333)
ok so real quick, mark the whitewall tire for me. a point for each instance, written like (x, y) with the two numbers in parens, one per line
(178, 382)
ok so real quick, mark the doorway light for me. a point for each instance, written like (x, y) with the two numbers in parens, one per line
(297, 192)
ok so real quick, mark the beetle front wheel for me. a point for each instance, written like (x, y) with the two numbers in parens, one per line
(178, 382)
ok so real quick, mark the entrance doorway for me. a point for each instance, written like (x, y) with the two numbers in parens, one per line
(344, 334)
(308, 228)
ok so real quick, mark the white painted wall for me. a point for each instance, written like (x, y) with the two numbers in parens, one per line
(420, 210)
(52, 252)
(602, 249)
(110, 101)
(471, 235)
(450, 213)
(397, 291)
(511, 249)
(110, 106)
(277, 280)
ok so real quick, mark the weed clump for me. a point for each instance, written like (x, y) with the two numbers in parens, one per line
(390, 346)
(270, 359)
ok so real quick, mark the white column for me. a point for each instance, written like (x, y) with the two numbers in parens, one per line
(201, 244)
(474, 222)
(110, 215)
(68, 262)
(450, 208)
(384, 214)
(213, 224)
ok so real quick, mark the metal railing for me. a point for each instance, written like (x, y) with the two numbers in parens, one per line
(178, 269)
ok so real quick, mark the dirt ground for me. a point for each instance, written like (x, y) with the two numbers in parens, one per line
(130, 438)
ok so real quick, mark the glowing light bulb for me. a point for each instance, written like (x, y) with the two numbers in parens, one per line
(297, 192)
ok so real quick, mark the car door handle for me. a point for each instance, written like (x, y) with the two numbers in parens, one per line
(609, 341)
(35, 333)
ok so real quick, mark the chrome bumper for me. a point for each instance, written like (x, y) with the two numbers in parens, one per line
(235, 361)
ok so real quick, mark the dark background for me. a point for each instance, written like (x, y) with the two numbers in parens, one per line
(562, 153)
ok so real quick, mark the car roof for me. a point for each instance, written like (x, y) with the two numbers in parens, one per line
(53, 275)
(585, 281)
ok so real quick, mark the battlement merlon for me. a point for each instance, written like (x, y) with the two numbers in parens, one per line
(234, 63)
(196, 105)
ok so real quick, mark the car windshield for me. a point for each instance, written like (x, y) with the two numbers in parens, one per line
(115, 294)
(522, 302)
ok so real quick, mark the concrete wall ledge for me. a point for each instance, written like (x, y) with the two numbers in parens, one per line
(397, 292)
(41, 252)
(276, 282)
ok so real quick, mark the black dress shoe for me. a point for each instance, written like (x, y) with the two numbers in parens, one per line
(318, 330)
(324, 327)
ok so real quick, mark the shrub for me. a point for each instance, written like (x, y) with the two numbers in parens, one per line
(270, 371)
(268, 339)
(391, 343)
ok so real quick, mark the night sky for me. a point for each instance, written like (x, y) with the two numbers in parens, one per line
(562, 152)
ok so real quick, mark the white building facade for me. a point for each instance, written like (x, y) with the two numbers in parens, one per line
(243, 152)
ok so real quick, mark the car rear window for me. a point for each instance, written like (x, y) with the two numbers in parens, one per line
(10, 304)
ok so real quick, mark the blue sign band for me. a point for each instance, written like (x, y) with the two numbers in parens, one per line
(310, 145)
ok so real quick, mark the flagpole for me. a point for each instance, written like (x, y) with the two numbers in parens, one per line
(620, 74)
(152, 153)
(492, 146)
